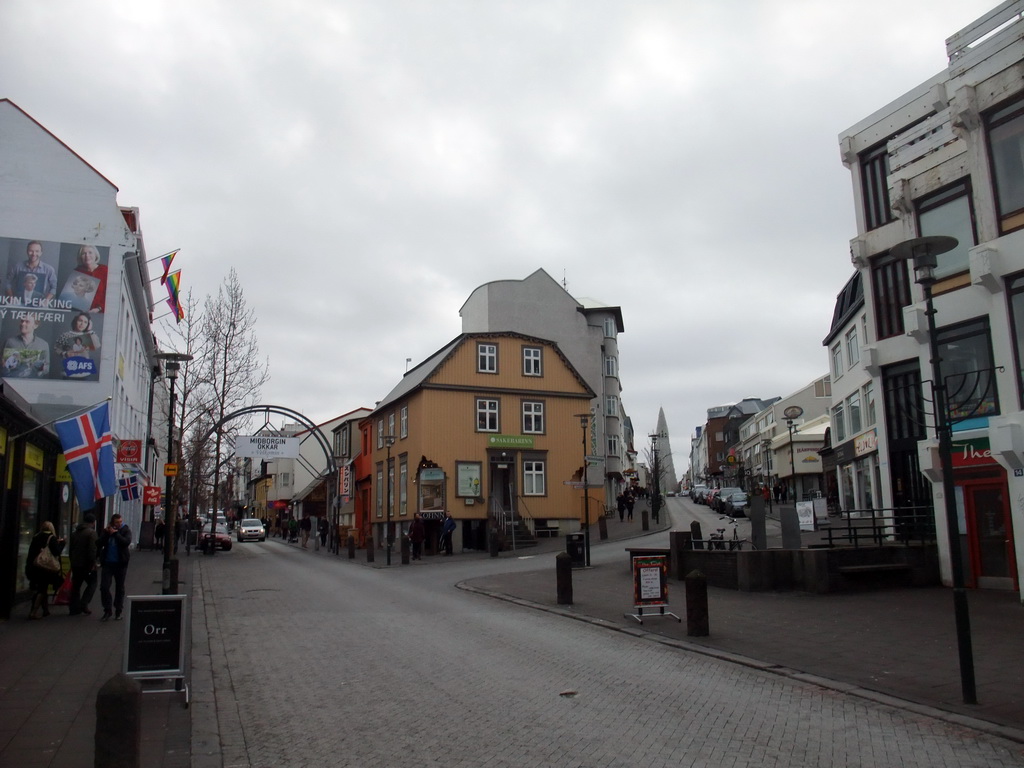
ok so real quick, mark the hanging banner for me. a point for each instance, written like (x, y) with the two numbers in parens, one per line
(267, 447)
(151, 495)
(129, 452)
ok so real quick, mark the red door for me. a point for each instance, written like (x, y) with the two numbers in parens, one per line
(990, 536)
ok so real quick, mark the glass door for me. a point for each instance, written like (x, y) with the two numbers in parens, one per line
(989, 534)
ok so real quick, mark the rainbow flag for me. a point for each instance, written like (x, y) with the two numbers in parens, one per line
(166, 261)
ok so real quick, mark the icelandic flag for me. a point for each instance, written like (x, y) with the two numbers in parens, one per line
(89, 452)
(129, 487)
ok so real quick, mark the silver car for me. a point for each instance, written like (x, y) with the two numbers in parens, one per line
(251, 529)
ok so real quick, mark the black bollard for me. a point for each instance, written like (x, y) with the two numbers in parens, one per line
(602, 528)
(695, 535)
(563, 577)
(351, 547)
(493, 543)
(404, 546)
(118, 736)
(645, 519)
(369, 549)
(696, 604)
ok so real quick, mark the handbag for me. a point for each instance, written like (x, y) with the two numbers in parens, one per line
(46, 560)
(63, 596)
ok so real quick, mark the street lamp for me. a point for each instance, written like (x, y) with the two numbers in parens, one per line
(584, 422)
(791, 414)
(656, 471)
(172, 363)
(389, 440)
(923, 253)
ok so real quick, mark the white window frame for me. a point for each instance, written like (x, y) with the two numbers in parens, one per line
(611, 405)
(533, 417)
(403, 421)
(489, 410)
(611, 366)
(852, 347)
(380, 433)
(486, 358)
(532, 361)
(534, 477)
(837, 360)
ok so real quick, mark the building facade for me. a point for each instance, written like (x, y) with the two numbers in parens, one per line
(947, 159)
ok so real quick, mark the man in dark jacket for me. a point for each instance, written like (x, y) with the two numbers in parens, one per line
(82, 553)
(114, 553)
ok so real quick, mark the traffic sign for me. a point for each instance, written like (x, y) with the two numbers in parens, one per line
(170, 470)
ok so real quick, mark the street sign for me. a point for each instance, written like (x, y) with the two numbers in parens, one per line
(170, 470)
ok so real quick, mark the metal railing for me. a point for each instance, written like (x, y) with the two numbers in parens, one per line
(876, 527)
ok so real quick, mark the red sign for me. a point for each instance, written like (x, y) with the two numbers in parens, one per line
(151, 495)
(129, 452)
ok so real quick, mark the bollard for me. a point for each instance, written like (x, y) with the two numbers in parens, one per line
(369, 549)
(118, 737)
(695, 535)
(351, 547)
(493, 543)
(404, 546)
(563, 577)
(696, 604)
(602, 528)
(645, 518)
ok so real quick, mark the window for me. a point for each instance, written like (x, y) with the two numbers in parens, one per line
(380, 433)
(838, 424)
(391, 488)
(403, 487)
(609, 328)
(837, 361)
(948, 212)
(533, 478)
(1015, 296)
(404, 421)
(890, 286)
(286, 478)
(867, 396)
(380, 490)
(966, 368)
(486, 415)
(487, 358)
(613, 445)
(874, 175)
(852, 348)
(391, 426)
(610, 366)
(611, 405)
(533, 418)
(531, 361)
(853, 413)
(1006, 147)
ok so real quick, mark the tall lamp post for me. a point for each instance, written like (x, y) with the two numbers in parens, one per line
(923, 253)
(584, 422)
(791, 414)
(656, 472)
(172, 364)
(389, 440)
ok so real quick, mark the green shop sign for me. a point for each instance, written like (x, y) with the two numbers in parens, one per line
(509, 441)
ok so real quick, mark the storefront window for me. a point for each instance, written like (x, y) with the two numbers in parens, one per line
(846, 482)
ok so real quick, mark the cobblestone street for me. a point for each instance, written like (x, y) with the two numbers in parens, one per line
(317, 661)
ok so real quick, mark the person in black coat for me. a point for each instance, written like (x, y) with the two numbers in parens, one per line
(40, 579)
(114, 552)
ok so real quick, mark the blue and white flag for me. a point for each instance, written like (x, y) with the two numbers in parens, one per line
(89, 452)
(129, 487)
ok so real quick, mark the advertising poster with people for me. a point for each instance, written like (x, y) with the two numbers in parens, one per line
(52, 303)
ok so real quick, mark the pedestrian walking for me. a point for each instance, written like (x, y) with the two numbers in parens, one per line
(630, 501)
(446, 533)
(293, 530)
(114, 552)
(324, 528)
(620, 504)
(40, 572)
(417, 532)
(158, 534)
(306, 526)
(82, 551)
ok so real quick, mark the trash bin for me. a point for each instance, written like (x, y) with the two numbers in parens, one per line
(575, 548)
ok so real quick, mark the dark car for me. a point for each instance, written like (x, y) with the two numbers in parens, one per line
(735, 504)
(221, 538)
(718, 502)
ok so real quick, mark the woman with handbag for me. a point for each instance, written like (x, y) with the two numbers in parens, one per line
(42, 568)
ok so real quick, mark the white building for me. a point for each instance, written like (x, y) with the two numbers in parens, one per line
(90, 299)
(947, 158)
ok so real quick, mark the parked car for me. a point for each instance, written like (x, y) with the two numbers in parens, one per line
(718, 503)
(220, 538)
(251, 529)
(735, 504)
(697, 493)
(709, 496)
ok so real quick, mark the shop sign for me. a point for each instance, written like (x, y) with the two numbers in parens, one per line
(975, 452)
(510, 441)
(866, 443)
(62, 476)
(34, 457)
(129, 452)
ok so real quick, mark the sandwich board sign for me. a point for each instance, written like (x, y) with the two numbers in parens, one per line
(154, 637)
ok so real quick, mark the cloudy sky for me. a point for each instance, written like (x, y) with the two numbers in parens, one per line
(365, 165)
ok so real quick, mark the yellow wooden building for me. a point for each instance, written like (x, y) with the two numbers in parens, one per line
(489, 430)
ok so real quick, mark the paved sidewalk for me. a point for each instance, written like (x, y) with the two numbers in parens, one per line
(52, 670)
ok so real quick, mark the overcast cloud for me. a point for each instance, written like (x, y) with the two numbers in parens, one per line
(365, 165)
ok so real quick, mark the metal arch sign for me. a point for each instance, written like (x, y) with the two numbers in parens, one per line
(267, 447)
